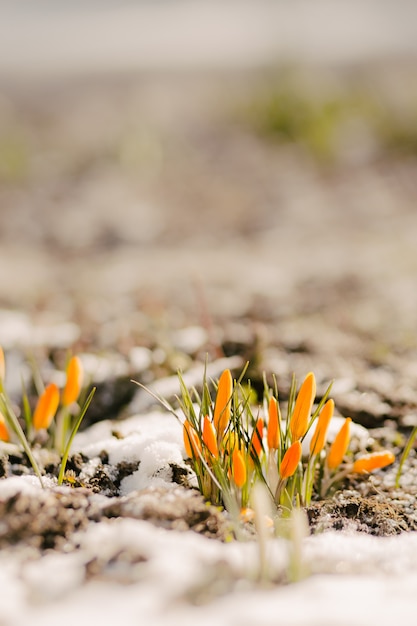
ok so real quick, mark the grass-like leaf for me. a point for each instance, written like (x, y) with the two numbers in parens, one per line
(72, 435)
(14, 424)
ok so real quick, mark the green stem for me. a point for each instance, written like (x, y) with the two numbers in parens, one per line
(404, 456)
(329, 480)
(61, 428)
(309, 479)
(16, 427)
(281, 484)
(71, 438)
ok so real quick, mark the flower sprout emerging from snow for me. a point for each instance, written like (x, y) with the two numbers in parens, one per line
(233, 445)
(54, 420)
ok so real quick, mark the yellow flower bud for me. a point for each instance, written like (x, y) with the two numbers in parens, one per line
(46, 407)
(273, 434)
(302, 409)
(339, 446)
(374, 460)
(73, 385)
(209, 437)
(191, 441)
(256, 439)
(319, 438)
(238, 468)
(222, 408)
(290, 460)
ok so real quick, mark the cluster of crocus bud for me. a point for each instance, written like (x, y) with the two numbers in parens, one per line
(222, 439)
(50, 399)
(217, 442)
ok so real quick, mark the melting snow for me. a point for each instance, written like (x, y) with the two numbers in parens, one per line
(149, 575)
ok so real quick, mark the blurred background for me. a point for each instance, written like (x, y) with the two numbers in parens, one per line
(167, 162)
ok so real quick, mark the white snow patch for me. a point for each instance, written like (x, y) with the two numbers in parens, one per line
(154, 467)
(356, 580)
(154, 440)
(137, 433)
(23, 484)
(54, 576)
(140, 358)
(101, 368)
(13, 593)
(190, 339)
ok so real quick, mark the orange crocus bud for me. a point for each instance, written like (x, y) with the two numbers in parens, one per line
(209, 437)
(256, 439)
(46, 407)
(319, 438)
(221, 416)
(4, 433)
(2, 364)
(273, 434)
(302, 409)
(191, 441)
(374, 460)
(73, 385)
(339, 446)
(238, 468)
(290, 460)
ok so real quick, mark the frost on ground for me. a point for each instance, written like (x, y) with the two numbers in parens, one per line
(104, 558)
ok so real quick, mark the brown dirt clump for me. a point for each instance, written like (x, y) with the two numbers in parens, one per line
(368, 515)
(176, 509)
